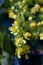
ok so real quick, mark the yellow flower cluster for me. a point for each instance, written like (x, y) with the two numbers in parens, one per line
(21, 50)
(22, 47)
(25, 26)
(20, 41)
(35, 8)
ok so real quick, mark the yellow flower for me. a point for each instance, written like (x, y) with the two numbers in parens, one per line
(19, 52)
(35, 8)
(32, 24)
(27, 35)
(15, 16)
(16, 23)
(13, 30)
(41, 22)
(41, 9)
(12, 15)
(20, 41)
(41, 36)
(30, 18)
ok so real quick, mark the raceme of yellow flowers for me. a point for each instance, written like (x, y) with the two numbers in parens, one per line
(26, 25)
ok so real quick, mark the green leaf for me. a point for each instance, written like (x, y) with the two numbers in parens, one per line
(7, 45)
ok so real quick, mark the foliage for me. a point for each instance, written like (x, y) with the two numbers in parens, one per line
(7, 44)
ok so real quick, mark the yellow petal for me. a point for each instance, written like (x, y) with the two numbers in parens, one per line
(11, 14)
(30, 18)
(41, 22)
(16, 23)
(41, 34)
(27, 35)
(41, 9)
(32, 24)
(41, 38)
